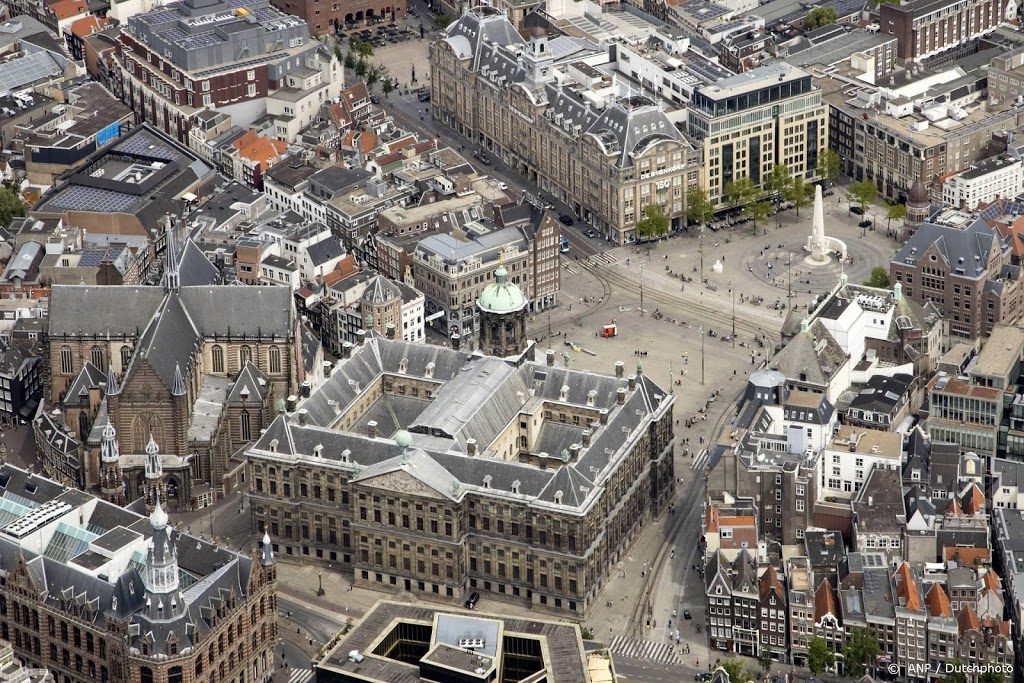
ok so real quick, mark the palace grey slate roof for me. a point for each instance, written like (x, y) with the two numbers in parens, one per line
(476, 398)
(968, 247)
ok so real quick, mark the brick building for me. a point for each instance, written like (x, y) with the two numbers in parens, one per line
(926, 28)
(96, 592)
(323, 18)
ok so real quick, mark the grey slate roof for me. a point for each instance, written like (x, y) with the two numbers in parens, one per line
(170, 341)
(249, 386)
(323, 251)
(380, 290)
(117, 310)
(89, 376)
(194, 268)
(968, 247)
(815, 354)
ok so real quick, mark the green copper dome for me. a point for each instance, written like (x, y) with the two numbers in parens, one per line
(501, 296)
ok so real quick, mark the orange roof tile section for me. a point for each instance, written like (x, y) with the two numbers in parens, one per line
(65, 9)
(260, 148)
(968, 620)
(770, 583)
(86, 26)
(711, 518)
(973, 500)
(991, 581)
(967, 557)
(906, 587)
(824, 601)
(938, 603)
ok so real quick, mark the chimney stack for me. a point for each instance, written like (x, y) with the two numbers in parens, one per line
(586, 437)
(303, 416)
(306, 389)
(620, 369)
(327, 368)
(632, 382)
(620, 398)
(603, 413)
(471, 447)
(361, 337)
(292, 402)
(371, 429)
(390, 330)
(456, 341)
(550, 357)
(346, 349)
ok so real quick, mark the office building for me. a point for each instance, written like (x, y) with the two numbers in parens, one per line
(928, 28)
(984, 183)
(430, 470)
(98, 592)
(397, 641)
(244, 59)
(748, 123)
(574, 135)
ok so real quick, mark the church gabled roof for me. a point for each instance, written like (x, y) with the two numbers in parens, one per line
(194, 268)
(170, 341)
(249, 386)
(88, 377)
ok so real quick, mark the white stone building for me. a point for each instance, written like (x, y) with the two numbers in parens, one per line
(984, 182)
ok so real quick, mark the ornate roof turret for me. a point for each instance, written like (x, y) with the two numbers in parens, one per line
(266, 550)
(113, 386)
(154, 468)
(179, 382)
(110, 452)
(502, 296)
(171, 277)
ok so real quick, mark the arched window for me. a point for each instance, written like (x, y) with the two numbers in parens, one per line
(217, 353)
(83, 425)
(126, 356)
(246, 427)
(275, 359)
(96, 356)
(67, 362)
(174, 673)
(145, 673)
(244, 355)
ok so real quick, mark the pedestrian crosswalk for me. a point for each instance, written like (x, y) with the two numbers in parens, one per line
(701, 460)
(666, 653)
(300, 675)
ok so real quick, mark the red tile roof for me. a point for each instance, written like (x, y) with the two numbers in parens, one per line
(824, 601)
(968, 620)
(906, 587)
(938, 603)
(973, 500)
(86, 26)
(65, 9)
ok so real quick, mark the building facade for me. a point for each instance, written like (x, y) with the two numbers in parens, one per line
(478, 494)
(983, 183)
(927, 28)
(96, 592)
(606, 156)
(749, 123)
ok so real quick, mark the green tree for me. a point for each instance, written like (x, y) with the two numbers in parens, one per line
(819, 657)
(372, 76)
(955, 675)
(990, 676)
(860, 655)
(829, 165)
(736, 671)
(764, 660)
(894, 211)
(799, 194)
(11, 205)
(863, 192)
(338, 54)
(362, 48)
(350, 61)
(777, 185)
(741, 192)
(387, 87)
(441, 22)
(586, 632)
(699, 209)
(361, 68)
(879, 278)
(820, 16)
(654, 224)
(757, 211)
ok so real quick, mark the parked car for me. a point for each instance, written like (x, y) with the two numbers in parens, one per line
(687, 615)
(471, 601)
(502, 186)
(859, 210)
(374, 99)
(864, 224)
(703, 676)
(423, 97)
(566, 219)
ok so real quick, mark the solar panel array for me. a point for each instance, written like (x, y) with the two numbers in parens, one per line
(206, 39)
(1003, 208)
(145, 145)
(82, 198)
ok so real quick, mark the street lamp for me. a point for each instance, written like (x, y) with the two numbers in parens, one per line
(320, 589)
(700, 250)
(733, 292)
(641, 289)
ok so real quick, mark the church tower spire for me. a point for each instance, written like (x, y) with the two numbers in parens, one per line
(171, 277)
(111, 476)
(154, 476)
(162, 577)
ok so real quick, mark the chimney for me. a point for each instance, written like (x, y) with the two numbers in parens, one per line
(371, 429)
(430, 370)
(306, 389)
(574, 451)
(403, 366)
(563, 393)
(620, 398)
(292, 402)
(550, 357)
(632, 382)
(604, 411)
(591, 396)
(303, 416)
(456, 341)
(471, 447)
(620, 369)
(390, 330)
(586, 437)
(361, 337)
(327, 368)
(346, 349)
